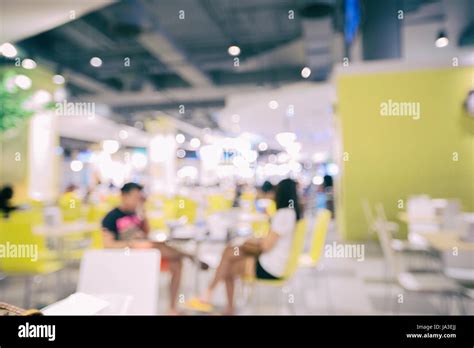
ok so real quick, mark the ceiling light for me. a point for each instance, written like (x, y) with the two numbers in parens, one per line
(58, 79)
(285, 138)
(96, 62)
(273, 104)
(123, 134)
(442, 39)
(110, 146)
(181, 153)
(23, 81)
(8, 50)
(235, 118)
(305, 72)
(195, 143)
(234, 50)
(180, 138)
(76, 166)
(28, 64)
(318, 180)
(263, 146)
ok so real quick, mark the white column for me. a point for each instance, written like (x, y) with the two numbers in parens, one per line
(162, 155)
(42, 159)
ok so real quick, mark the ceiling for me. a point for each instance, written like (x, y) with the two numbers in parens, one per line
(177, 49)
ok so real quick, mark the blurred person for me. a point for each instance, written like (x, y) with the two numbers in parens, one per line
(266, 198)
(127, 226)
(264, 258)
(329, 190)
(239, 188)
(6, 196)
(266, 191)
(70, 188)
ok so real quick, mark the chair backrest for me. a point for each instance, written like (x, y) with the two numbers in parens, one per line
(217, 203)
(421, 214)
(385, 238)
(321, 226)
(132, 273)
(451, 215)
(16, 233)
(186, 207)
(296, 248)
(71, 206)
(369, 217)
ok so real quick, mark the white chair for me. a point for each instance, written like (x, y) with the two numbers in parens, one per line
(132, 273)
(421, 215)
(427, 283)
(369, 217)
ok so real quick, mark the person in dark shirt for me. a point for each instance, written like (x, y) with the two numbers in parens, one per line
(127, 226)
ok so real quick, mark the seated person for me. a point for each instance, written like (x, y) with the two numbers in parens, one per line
(127, 226)
(266, 258)
(266, 198)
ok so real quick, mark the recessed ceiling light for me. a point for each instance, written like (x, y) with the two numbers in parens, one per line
(273, 104)
(305, 72)
(96, 62)
(181, 153)
(58, 79)
(28, 64)
(8, 50)
(234, 50)
(263, 146)
(180, 138)
(285, 138)
(123, 134)
(442, 40)
(235, 118)
(195, 143)
(76, 166)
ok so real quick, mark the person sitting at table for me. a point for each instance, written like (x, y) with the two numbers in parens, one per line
(127, 226)
(265, 258)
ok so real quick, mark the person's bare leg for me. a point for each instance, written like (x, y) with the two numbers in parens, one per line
(237, 269)
(170, 253)
(175, 267)
(229, 256)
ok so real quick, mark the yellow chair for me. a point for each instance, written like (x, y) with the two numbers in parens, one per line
(97, 240)
(186, 207)
(311, 259)
(32, 257)
(293, 258)
(113, 200)
(292, 263)
(217, 203)
(271, 208)
(71, 207)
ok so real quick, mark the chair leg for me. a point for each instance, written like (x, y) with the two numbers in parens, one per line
(59, 285)
(462, 308)
(28, 292)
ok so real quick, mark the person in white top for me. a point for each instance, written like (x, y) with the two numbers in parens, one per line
(265, 257)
